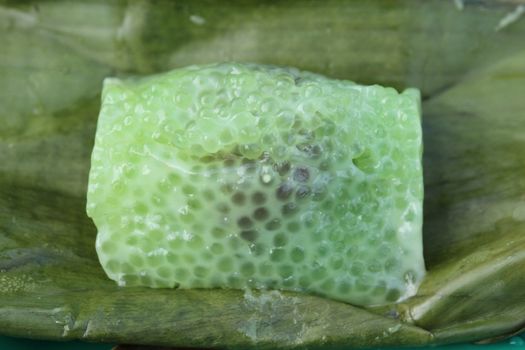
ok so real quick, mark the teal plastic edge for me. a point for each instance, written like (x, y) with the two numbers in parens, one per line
(9, 343)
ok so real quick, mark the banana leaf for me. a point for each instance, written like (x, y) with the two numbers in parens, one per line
(467, 57)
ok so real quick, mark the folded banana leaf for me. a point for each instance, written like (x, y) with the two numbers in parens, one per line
(467, 57)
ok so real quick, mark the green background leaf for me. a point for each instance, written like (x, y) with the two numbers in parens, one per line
(472, 73)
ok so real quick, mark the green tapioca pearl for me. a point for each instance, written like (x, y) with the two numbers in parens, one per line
(318, 272)
(328, 284)
(258, 249)
(266, 268)
(130, 280)
(113, 266)
(156, 235)
(229, 163)
(147, 280)
(164, 272)
(223, 208)
(289, 209)
(393, 294)
(319, 192)
(362, 284)
(336, 263)
(109, 247)
(310, 219)
(286, 271)
(344, 287)
(186, 216)
(200, 271)
(282, 168)
(174, 179)
(375, 266)
(384, 250)
(130, 171)
(410, 215)
(188, 189)
(273, 224)
(176, 244)
(247, 269)
(227, 188)
(155, 260)
(206, 256)
(172, 259)
(188, 258)
(136, 260)
(302, 192)
(324, 165)
(323, 249)
(235, 281)
(225, 136)
(208, 194)
(261, 214)
(280, 239)
(196, 243)
(357, 269)
(133, 240)
(289, 282)
(327, 205)
(254, 283)
(225, 264)
(301, 174)
(297, 254)
(194, 204)
(199, 227)
(181, 274)
(147, 245)
(249, 235)
(293, 226)
(244, 223)
(238, 198)
(304, 281)
(284, 191)
(217, 248)
(219, 232)
(158, 200)
(277, 254)
(380, 289)
(141, 208)
(258, 198)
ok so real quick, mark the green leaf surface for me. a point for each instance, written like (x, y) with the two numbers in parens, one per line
(471, 69)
